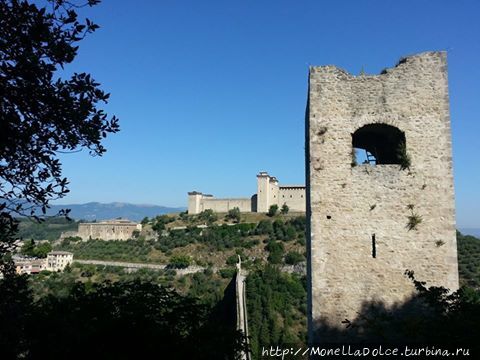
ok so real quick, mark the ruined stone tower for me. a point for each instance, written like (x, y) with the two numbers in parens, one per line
(371, 219)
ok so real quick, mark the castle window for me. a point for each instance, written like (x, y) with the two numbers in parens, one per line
(374, 247)
(378, 144)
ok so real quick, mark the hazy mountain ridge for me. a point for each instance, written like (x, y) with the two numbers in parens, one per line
(471, 231)
(101, 211)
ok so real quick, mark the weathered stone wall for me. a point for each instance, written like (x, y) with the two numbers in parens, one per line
(194, 200)
(107, 230)
(274, 193)
(293, 196)
(348, 205)
(223, 205)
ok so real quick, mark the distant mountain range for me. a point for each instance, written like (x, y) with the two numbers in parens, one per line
(471, 231)
(100, 211)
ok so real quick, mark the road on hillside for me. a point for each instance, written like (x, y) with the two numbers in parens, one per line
(129, 265)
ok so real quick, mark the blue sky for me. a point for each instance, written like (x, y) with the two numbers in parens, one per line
(210, 92)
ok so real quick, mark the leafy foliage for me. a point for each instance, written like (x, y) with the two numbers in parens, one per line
(42, 114)
(48, 229)
(293, 258)
(234, 214)
(121, 320)
(208, 216)
(276, 309)
(41, 250)
(272, 211)
(227, 273)
(159, 222)
(469, 260)
(129, 250)
(215, 238)
(276, 250)
(180, 262)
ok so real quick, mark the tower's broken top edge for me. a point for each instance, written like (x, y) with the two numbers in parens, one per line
(403, 61)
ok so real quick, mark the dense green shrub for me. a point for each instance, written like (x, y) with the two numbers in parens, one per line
(276, 251)
(232, 260)
(233, 214)
(227, 273)
(180, 262)
(30, 248)
(293, 258)
(469, 259)
(264, 227)
(208, 216)
(272, 211)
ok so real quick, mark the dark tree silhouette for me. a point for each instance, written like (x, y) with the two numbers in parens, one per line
(122, 320)
(41, 114)
(433, 316)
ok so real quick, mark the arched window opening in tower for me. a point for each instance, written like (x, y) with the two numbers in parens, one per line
(378, 144)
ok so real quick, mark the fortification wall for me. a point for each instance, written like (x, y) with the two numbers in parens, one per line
(360, 244)
(268, 193)
(223, 205)
(106, 231)
(293, 196)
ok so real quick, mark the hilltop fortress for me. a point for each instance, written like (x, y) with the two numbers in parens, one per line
(269, 193)
(118, 229)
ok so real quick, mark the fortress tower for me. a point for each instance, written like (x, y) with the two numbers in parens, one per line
(371, 219)
(267, 191)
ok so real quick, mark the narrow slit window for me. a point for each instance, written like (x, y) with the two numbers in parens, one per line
(374, 247)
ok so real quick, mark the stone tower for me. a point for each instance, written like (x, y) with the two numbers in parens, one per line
(267, 191)
(372, 219)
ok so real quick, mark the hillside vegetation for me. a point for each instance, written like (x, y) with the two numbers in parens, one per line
(49, 229)
(468, 260)
(276, 300)
(276, 240)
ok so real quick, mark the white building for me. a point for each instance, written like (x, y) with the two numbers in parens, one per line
(58, 260)
(29, 265)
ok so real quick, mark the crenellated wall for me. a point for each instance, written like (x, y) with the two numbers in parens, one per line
(293, 196)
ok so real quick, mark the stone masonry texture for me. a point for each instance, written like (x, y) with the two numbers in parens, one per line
(347, 205)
